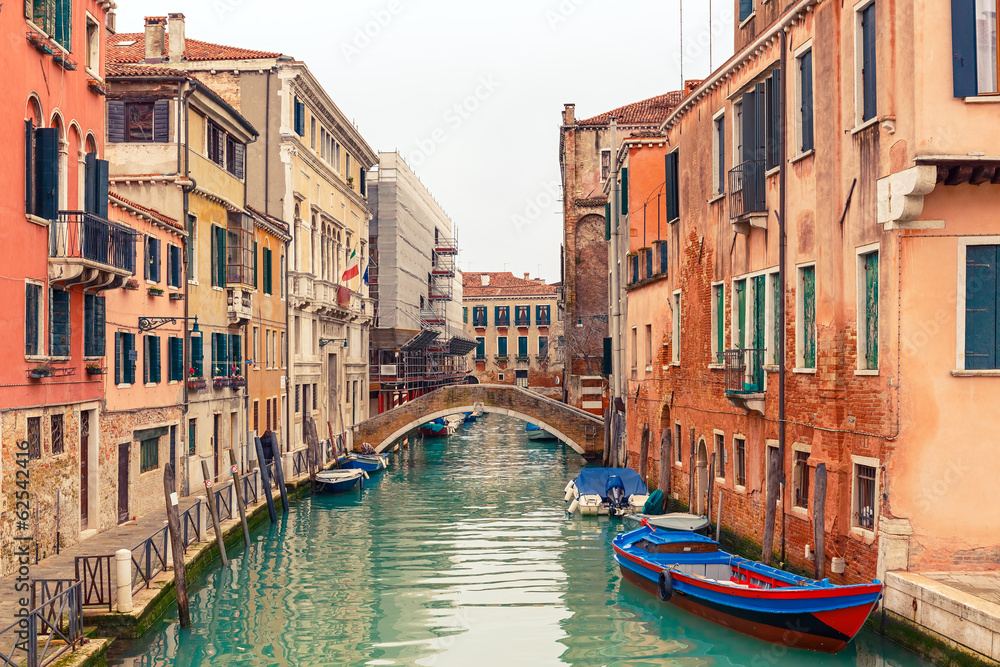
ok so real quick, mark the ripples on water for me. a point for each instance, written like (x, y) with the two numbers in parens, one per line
(460, 554)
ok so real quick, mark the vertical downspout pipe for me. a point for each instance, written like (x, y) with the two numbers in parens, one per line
(613, 268)
(782, 273)
(184, 91)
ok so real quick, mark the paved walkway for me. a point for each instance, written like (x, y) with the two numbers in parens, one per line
(985, 585)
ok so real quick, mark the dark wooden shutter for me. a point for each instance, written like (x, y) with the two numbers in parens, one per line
(773, 119)
(720, 320)
(101, 188)
(806, 85)
(89, 187)
(88, 324)
(871, 310)
(235, 355)
(161, 121)
(749, 129)
(255, 264)
(624, 193)
(155, 366)
(198, 355)
(29, 167)
(720, 156)
(672, 186)
(606, 360)
(239, 157)
(760, 118)
(116, 121)
(128, 348)
(868, 62)
(746, 9)
(148, 272)
(982, 344)
(32, 304)
(64, 23)
(147, 358)
(47, 173)
(100, 324)
(221, 248)
(300, 118)
(607, 221)
(175, 359)
(60, 325)
(118, 358)
(963, 48)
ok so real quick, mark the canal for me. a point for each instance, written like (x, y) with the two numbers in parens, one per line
(460, 554)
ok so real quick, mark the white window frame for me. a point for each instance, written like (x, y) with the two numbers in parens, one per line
(649, 348)
(963, 246)
(800, 318)
(717, 319)
(800, 511)
(605, 176)
(43, 309)
(805, 48)
(859, 93)
(734, 304)
(675, 351)
(634, 350)
(992, 57)
(740, 488)
(871, 462)
(92, 55)
(721, 455)
(718, 188)
(678, 453)
(862, 330)
(768, 446)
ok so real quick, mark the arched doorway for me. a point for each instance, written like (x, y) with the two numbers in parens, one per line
(701, 485)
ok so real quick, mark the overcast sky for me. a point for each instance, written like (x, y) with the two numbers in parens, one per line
(471, 93)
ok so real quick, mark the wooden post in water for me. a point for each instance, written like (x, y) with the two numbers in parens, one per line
(773, 485)
(279, 475)
(312, 453)
(265, 481)
(718, 517)
(644, 452)
(665, 447)
(176, 545)
(711, 486)
(691, 507)
(819, 521)
(214, 511)
(239, 498)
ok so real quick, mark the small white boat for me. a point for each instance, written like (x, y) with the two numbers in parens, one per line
(338, 481)
(606, 491)
(538, 433)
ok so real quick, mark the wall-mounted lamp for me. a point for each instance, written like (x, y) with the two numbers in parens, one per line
(150, 323)
(579, 320)
(323, 342)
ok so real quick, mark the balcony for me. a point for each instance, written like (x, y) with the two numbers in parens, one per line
(239, 305)
(87, 250)
(747, 196)
(745, 379)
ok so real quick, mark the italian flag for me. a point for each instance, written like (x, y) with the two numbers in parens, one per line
(352, 272)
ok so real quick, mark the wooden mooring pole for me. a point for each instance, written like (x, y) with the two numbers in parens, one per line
(819, 522)
(279, 475)
(176, 545)
(239, 498)
(665, 449)
(265, 481)
(214, 511)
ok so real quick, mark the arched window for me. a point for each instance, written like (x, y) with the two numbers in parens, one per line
(41, 164)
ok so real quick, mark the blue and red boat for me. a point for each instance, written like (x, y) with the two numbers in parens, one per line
(690, 571)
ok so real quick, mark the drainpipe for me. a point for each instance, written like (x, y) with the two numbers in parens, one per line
(613, 266)
(782, 277)
(183, 113)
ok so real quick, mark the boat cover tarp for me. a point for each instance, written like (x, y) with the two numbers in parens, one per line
(532, 427)
(593, 481)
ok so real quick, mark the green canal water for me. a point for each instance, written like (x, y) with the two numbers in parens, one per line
(460, 554)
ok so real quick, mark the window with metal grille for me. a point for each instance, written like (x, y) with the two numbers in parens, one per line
(677, 443)
(720, 456)
(479, 316)
(718, 322)
(34, 438)
(800, 479)
(740, 450)
(868, 308)
(149, 454)
(56, 430)
(865, 501)
(521, 379)
(297, 392)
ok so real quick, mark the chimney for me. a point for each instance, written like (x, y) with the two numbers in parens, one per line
(175, 28)
(526, 275)
(155, 38)
(569, 114)
(485, 279)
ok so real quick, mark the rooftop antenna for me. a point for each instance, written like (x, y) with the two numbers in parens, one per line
(681, 27)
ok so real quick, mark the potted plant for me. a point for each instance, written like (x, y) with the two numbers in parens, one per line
(94, 368)
(43, 370)
(155, 291)
(350, 181)
(131, 284)
(195, 382)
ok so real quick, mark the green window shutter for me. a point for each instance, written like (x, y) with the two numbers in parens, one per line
(871, 311)
(480, 347)
(235, 355)
(624, 193)
(59, 324)
(267, 271)
(175, 359)
(606, 361)
(128, 347)
(502, 346)
(161, 121)
(809, 317)
(29, 167)
(198, 356)
(982, 344)
(868, 63)
(118, 358)
(155, 374)
(806, 86)
(88, 323)
(147, 358)
(759, 301)
(720, 319)
(741, 314)
(607, 221)
(776, 284)
(465, 315)
(746, 9)
(64, 24)
(47, 173)
(255, 265)
(672, 185)
(965, 69)
(522, 346)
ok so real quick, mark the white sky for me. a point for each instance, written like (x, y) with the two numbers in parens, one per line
(471, 93)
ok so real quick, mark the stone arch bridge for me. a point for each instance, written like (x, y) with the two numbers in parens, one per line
(580, 430)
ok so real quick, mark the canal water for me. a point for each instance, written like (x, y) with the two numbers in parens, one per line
(460, 554)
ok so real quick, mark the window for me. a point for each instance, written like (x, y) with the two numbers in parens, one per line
(347, 164)
(175, 359)
(235, 156)
(297, 398)
(312, 133)
(522, 316)
(649, 347)
(218, 256)
(663, 257)
(125, 358)
(676, 336)
(265, 261)
(974, 47)
(93, 44)
(93, 325)
(254, 352)
(673, 186)
(220, 355)
(677, 443)
(740, 450)
(34, 438)
(739, 313)
(719, 154)
(59, 323)
(239, 249)
(192, 437)
(775, 356)
(634, 349)
(648, 253)
(152, 259)
(805, 110)
(256, 415)
(41, 171)
(500, 377)
(502, 347)
(216, 144)
(521, 379)
(805, 323)
(314, 395)
(522, 348)
(336, 155)
(465, 315)
(140, 121)
(746, 9)
(720, 456)
(758, 312)
(634, 260)
(56, 431)
(192, 241)
(149, 454)
(738, 131)
(173, 266)
(624, 191)
(53, 18)
(718, 322)
(543, 346)
(800, 479)
(605, 164)
(502, 316)
(197, 351)
(868, 311)
(480, 347)
(235, 355)
(757, 130)
(866, 93)
(982, 298)
(863, 515)
(299, 110)
(543, 316)
(284, 350)
(33, 326)
(151, 358)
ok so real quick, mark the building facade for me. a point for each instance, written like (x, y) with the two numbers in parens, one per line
(516, 325)
(585, 159)
(887, 291)
(418, 338)
(60, 253)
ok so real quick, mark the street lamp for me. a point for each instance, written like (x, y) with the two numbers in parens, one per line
(579, 320)
(326, 341)
(150, 323)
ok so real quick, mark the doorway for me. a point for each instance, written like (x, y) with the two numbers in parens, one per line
(216, 439)
(331, 402)
(84, 470)
(701, 491)
(124, 450)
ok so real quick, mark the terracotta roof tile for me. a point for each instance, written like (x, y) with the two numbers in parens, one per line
(194, 49)
(153, 213)
(502, 283)
(647, 112)
(124, 69)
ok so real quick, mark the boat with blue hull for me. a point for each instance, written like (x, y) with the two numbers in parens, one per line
(536, 432)
(368, 463)
(339, 481)
(690, 571)
(606, 491)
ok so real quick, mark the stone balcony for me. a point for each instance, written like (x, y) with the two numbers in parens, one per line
(239, 305)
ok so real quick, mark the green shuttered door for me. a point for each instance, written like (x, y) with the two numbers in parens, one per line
(982, 344)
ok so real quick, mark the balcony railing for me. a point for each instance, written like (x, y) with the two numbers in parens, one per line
(744, 371)
(746, 189)
(85, 236)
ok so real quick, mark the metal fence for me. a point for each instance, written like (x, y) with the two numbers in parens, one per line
(746, 189)
(223, 503)
(149, 558)
(57, 615)
(250, 488)
(744, 371)
(94, 573)
(300, 462)
(81, 235)
(190, 526)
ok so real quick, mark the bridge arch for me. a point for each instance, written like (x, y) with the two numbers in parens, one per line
(582, 431)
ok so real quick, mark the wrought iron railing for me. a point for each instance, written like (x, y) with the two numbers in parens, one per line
(94, 573)
(190, 526)
(300, 462)
(149, 558)
(224, 503)
(58, 617)
(746, 189)
(81, 235)
(744, 371)
(249, 488)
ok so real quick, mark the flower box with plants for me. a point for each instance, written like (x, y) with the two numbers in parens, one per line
(131, 284)
(238, 381)
(195, 383)
(155, 291)
(94, 368)
(220, 382)
(176, 296)
(40, 371)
